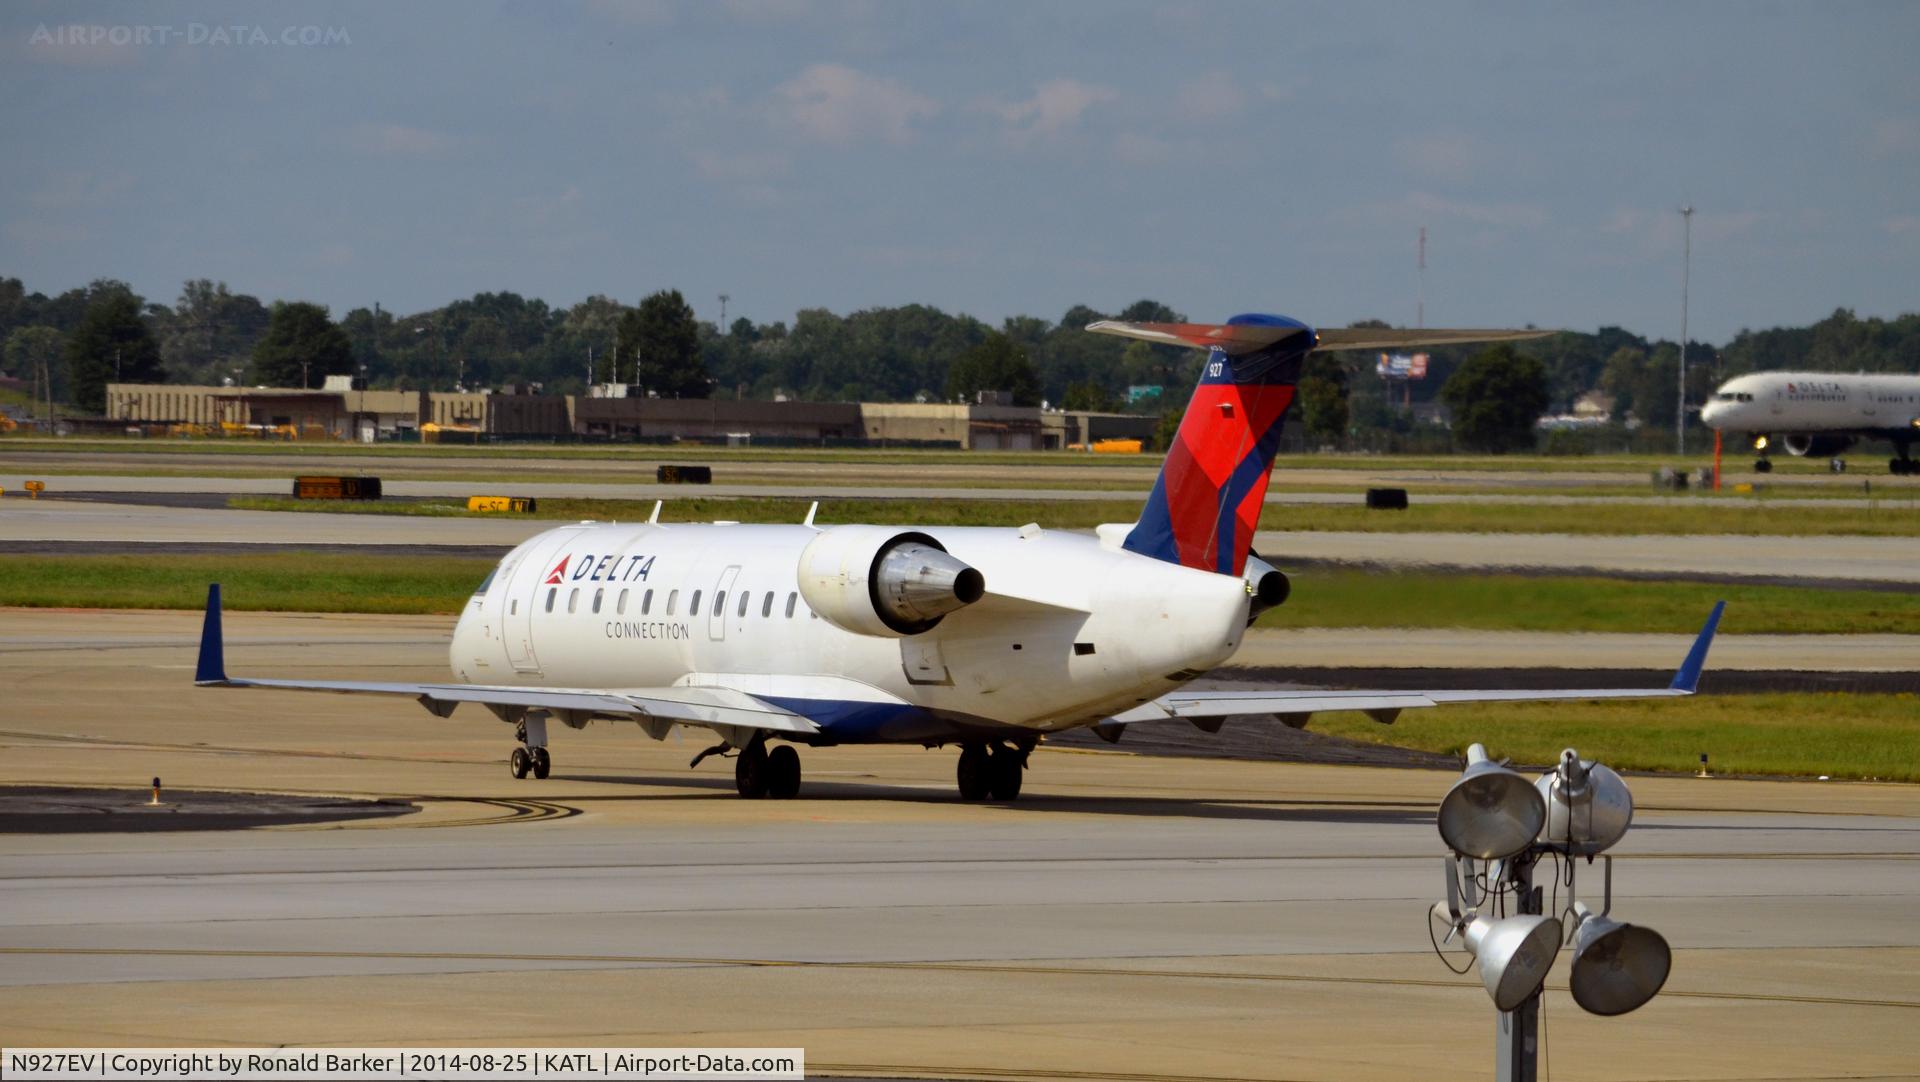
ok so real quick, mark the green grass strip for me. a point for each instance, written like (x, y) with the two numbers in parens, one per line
(280, 582)
(1898, 520)
(1326, 598)
(1806, 734)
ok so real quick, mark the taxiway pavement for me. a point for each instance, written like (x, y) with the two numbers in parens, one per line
(1848, 559)
(1130, 916)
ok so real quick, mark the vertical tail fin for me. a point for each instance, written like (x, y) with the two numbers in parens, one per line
(1206, 503)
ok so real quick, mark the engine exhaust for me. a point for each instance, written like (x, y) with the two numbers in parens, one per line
(915, 584)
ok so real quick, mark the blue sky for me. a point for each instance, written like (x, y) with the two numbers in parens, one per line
(991, 158)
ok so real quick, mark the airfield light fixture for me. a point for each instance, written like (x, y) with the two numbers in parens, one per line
(1588, 806)
(1500, 825)
(1491, 812)
(1617, 967)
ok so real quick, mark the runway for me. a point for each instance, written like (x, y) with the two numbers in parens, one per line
(1839, 559)
(829, 484)
(1131, 916)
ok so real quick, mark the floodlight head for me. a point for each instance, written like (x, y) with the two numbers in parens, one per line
(1491, 812)
(1513, 955)
(1617, 967)
(1588, 806)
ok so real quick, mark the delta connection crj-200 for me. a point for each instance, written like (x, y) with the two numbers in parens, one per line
(984, 638)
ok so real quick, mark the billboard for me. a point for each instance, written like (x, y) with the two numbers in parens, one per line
(1402, 366)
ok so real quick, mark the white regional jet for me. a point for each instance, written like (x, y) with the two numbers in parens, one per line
(984, 638)
(1818, 413)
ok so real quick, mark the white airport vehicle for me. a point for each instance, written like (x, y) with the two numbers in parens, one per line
(1818, 413)
(986, 639)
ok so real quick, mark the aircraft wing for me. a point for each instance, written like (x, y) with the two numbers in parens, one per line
(1386, 705)
(1238, 338)
(694, 705)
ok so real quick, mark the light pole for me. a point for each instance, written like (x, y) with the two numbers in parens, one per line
(1686, 274)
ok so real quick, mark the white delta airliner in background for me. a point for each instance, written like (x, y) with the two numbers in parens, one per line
(986, 639)
(1818, 413)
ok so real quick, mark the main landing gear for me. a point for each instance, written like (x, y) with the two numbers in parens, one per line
(531, 756)
(758, 772)
(991, 770)
(1903, 466)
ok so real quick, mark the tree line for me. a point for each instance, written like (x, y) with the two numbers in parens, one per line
(104, 332)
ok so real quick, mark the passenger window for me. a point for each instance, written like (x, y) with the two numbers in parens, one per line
(597, 595)
(620, 606)
(693, 605)
(720, 603)
(673, 598)
(646, 602)
(766, 607)
(745, 597)
(573, 599)
(791, 598)
(550, 596)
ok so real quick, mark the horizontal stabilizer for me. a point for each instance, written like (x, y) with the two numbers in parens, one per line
(1238, 338)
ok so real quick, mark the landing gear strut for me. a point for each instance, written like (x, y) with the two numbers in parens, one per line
(994, 770)
(531, 756)
(1903, 466)
(758, 772)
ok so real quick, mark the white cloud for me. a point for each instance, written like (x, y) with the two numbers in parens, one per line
(1901, 224)
(836, 104)
(1136, 149)
(739, 166)
(1056, 105)
(1896, 137)
(399, 140)
(1419, 207)
(1211, 97)
(1446, 156)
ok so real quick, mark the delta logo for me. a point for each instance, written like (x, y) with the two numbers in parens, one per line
(609, 568)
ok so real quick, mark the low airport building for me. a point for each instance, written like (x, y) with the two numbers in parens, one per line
(343, 411)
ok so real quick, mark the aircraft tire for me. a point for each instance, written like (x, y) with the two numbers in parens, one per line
(1008, 765)
(519, 762)
(975, 772)
(1761, 465)
(542, 762)
(1900, 467)
(783, 773)
(750, 771)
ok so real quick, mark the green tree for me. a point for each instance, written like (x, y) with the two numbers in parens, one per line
(301, 343)
(996, 364)
(1090, 395)
(1496, 396)
(1323, 397)
(1168, 428)
(666, 358)
(34, 353)
(111, 344)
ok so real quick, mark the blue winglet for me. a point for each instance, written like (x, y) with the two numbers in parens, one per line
(212, 668)
(1688, 678)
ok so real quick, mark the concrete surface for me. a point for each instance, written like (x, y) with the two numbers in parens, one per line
(831, 484)
(1130, 917)
(1849, 559)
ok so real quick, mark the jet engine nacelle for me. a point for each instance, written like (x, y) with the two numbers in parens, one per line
(1802, 444)
(876, 580)
(1267, 587)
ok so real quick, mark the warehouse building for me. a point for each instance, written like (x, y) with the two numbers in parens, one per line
(342, 411)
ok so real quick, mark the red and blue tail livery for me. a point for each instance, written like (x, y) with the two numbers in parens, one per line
(1206, 503)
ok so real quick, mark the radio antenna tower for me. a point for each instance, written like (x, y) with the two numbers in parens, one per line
(1420, 312)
